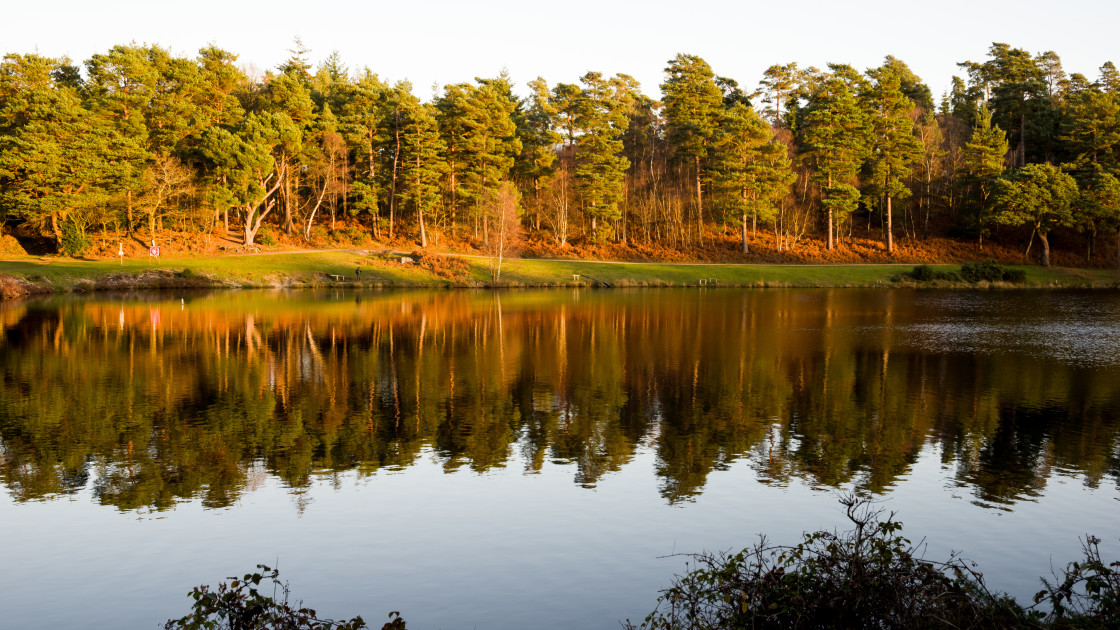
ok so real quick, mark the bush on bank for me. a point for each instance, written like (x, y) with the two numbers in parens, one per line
(240, 605)
(873, 577)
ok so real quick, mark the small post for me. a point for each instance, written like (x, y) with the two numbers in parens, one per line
(120, 252)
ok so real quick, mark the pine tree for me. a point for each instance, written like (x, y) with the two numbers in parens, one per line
(1110, 78)
(362, 124)
(1098, 209)
(693, 105)
(220, 80)
(1091, 128)
(893, 147)
(535, 128)
(489, 142)
(454, 130)
(983, 164)
(1039, 195)
(752, 168)
(778, 83)
(1019, 99)
(835, 140)
(599, 165)
(59, 163)
(422, 165)
(245, 168)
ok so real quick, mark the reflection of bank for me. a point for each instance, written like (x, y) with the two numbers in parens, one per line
(831, 387)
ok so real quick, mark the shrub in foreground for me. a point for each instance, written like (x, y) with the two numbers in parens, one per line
(239, 605)
(873, 577)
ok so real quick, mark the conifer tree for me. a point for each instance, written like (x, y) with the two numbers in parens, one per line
(1091, 128)
(59, 162)
(362, 124)
(1018, 97)
(893, 147)
(693, 106)
(599, 165)
(422, 166)
(1098, 209)
(835, 140)
(777, 85)
(752, 168)
(1038, 195)
(1110, 78)
(455, 130)
(983, 164)
(490, 142)
(220, 79)
(535, 120)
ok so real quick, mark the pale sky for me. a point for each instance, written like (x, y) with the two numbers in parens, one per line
(444, 41)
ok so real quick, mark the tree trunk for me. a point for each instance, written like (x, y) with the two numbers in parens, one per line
(746, 248)
(699, 203)
(251, 225)
(1043, 238)
(56, 230)
(287, 200)
(128, 197)
(396, 158)
(890, 236)
(831, 244)
(537, 204)
(420, 206)
(454, 199)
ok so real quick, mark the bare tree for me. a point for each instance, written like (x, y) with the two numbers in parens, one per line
(504, 230)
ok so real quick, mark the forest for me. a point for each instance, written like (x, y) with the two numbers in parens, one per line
(140, 143)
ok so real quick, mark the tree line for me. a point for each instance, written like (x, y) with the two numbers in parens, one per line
(139, 140)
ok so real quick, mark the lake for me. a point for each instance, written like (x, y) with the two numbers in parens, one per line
(533, 458)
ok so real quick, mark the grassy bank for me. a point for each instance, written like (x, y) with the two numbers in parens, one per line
(337, 268)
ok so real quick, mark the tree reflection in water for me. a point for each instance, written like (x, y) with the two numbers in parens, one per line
(154, 402)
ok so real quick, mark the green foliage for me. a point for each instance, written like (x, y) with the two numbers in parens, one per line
(693, 106)
(925, 273)
(751, 168)
(991, 271)
(983, 164)
(267, 237)
(835, 140)
(1040, 196)
(599, 166)
(74, 239)
(240, 605)
(1086, 594)
(868, 577)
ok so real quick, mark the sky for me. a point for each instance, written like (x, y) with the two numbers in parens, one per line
(438, 42)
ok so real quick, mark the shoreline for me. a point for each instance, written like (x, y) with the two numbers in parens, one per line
(337, 269)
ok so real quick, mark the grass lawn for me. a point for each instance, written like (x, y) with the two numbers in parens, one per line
(318, 269)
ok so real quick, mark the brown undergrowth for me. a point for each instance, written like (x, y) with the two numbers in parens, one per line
(727, 248)
(718, 246)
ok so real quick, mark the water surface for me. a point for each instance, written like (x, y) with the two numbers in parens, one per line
(529, 459)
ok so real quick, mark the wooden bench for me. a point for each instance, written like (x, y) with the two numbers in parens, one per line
(337, 277)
